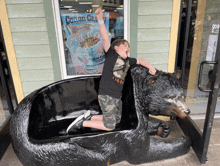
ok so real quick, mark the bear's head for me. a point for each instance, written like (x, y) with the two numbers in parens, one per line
(159, 94)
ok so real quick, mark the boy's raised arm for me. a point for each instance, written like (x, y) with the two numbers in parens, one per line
(103, 30)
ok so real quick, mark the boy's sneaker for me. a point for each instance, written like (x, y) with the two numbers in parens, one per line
(76, 124)
(87, 115)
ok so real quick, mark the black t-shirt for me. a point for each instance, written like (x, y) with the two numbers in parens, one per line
(114, 72)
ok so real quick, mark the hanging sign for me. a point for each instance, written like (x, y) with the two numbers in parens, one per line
(212, 46)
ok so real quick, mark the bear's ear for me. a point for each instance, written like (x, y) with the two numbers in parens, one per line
(178, 74)
(152, 80)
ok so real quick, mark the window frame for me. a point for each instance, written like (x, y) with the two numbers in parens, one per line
(59, 36)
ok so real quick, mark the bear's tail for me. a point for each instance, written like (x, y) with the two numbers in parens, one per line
(164, 149)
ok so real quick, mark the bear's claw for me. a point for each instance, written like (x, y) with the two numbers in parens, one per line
(164, 130)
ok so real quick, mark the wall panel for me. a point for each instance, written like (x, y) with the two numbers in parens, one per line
(36, 75)
(155, 8)
(153, 34)
(32, 51)
(153, 47)
(28, 24)
(25, 10)
(30, 38)
(154, 23)
(31, 43)
(34, 63)
(31, 86)
(22, 1)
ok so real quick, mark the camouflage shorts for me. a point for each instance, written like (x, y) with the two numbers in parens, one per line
(112, 109)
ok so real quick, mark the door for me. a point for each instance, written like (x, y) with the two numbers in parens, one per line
(199, 61)
(197, 46)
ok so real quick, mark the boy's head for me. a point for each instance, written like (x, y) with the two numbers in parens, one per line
(122, 47)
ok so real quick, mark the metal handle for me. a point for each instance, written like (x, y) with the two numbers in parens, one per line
(200, 75)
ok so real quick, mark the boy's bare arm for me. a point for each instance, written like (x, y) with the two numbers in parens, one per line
(103, 30)
(144, 63)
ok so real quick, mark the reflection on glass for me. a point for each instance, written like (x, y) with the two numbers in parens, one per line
(201, 46)
(84, 53)
(4, 110)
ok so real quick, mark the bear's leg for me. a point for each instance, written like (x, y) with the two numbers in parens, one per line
(158, 127)
(164, 149)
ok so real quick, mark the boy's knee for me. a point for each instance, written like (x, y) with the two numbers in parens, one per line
(110, 125)
(109, 129)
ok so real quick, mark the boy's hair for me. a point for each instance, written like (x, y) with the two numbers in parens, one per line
(118, 42)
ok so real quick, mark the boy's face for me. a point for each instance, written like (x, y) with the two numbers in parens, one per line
(123, 50)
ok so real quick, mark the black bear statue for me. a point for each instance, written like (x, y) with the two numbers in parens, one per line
(38, 121)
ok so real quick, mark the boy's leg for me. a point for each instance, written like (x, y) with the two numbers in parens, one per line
(108, 106)
(119, 111)
(107, 121)
(96, 118)
(96, 123)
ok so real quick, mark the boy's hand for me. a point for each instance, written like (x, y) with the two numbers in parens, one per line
(99, 14)
(152, 71)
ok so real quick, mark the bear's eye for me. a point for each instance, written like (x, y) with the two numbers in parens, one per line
(183, 96)
(152, 80)
(172, 96)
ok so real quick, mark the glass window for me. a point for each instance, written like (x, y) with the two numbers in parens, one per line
(4, 109)
(82, 42)
(4, 102)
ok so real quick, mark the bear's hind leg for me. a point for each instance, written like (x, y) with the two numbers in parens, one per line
(165, 149)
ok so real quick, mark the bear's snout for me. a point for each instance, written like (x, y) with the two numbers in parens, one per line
(183, 108)
(187, 112)
(178, 108)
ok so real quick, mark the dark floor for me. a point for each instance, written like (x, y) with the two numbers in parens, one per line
(190, 159)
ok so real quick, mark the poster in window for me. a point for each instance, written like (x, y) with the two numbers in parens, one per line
(84, 42)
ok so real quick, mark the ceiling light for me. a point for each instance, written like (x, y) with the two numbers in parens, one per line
(85, 3)
(95, 5)
(68, 6)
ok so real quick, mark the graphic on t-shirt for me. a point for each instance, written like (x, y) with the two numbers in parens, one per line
(120, 70)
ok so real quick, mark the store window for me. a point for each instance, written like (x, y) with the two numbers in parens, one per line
(81, 49)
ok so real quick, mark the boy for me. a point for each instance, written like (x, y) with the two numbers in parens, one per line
(115, 69)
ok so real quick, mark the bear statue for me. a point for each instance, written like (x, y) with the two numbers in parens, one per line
(38, 121)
